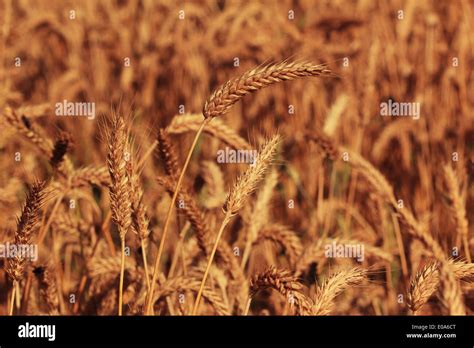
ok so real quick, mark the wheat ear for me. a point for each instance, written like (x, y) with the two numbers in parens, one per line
(253, 80)
(243, 187)
(26, 225)
(333, 286)
(286, 284)
(426, 281)
(120, 203)
(48, 289)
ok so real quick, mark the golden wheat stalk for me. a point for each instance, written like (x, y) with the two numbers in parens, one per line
(120, 190)
(224, 254)
(243, 187)
(149, 301)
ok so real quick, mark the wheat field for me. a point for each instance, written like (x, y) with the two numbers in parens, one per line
(233, 157)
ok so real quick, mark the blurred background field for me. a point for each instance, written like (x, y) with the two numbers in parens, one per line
(155, 59)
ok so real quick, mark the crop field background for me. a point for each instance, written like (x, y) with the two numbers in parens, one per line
(236, 157)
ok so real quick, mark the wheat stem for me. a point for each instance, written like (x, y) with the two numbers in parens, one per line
(145, 264)
(168, 218)
(122, 272)
(226, 220)
(12, 303)
(247, 307)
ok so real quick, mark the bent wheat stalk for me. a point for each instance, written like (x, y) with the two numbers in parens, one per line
(243, 187)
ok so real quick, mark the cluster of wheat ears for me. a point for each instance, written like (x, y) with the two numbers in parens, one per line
(218, 276)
